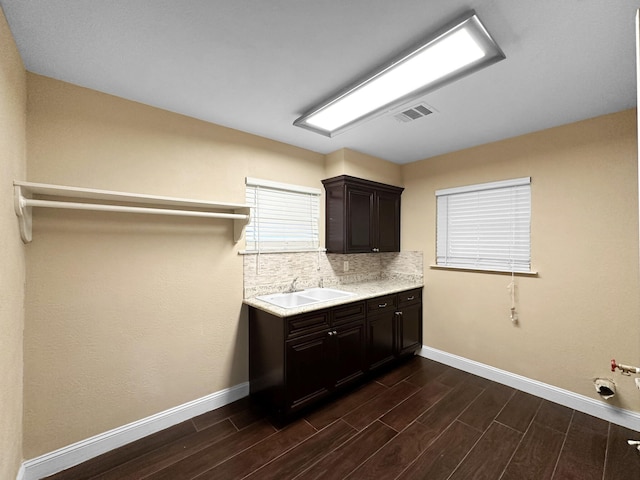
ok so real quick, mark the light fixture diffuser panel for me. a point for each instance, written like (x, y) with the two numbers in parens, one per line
(459, 49)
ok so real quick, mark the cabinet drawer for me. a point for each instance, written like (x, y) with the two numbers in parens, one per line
(309, 323)
(381, 304)
(410, 297)
(348, 313)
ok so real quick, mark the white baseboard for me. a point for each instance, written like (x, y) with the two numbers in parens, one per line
(79, 452)
(610, 413)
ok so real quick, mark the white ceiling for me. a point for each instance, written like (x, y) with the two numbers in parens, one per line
(256, 65)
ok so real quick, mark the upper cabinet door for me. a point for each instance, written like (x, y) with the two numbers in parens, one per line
(388, 218)
(360, 220)
(361, 216)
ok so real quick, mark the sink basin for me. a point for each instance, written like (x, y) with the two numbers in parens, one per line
(304, 297)
(323, 294)
(287, 300)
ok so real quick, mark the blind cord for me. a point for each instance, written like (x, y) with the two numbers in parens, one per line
(512, 292)
(512, 285)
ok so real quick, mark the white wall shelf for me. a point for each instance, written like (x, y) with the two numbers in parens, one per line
(28, 195)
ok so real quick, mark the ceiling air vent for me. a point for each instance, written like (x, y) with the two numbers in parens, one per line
(413, 113)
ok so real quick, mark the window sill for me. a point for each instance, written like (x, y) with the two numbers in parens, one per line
(480, 270)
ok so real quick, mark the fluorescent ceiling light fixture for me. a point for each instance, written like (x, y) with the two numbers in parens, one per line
(459, 49)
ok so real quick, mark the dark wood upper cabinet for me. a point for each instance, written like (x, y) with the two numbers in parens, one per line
(361, 216)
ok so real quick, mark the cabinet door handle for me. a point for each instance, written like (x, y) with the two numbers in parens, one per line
(412, 297)
(376, 249)
(330, 334)
(382, 305)
(335, 332)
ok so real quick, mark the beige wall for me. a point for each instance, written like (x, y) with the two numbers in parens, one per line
(357, 164)
(13, 100)
(128, 315)
(582, 309)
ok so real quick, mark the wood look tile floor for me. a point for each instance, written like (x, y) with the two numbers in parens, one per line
(422, 420)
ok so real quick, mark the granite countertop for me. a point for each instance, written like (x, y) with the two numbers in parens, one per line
(361, 291)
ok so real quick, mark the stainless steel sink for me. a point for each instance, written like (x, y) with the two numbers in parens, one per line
(304, 297)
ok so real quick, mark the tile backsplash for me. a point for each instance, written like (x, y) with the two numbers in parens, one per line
(275, 272)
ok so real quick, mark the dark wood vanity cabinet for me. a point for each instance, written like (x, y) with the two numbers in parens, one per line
(319, 363)
(295, 361)
(394, 325)
(361, 216)
(382, 331)
(409, 322)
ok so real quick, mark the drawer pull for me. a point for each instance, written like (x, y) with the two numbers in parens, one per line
(382, 305)
(412, 297)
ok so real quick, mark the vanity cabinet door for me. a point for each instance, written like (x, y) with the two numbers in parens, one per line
(381, 330)
(348, 343)
(307, 369)
(409, 321)
(318, 363)
(348, 353)
(381, 339)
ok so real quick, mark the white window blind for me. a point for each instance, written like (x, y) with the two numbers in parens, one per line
(485, 226)
(283, 218)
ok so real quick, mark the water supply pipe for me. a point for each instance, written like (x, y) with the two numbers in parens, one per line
(625, 369)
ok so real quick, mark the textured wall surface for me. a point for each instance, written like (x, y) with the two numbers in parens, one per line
(356, 164)
(128, 315)
(13, 110)
(583, 307)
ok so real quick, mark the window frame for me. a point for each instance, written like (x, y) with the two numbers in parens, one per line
(289, 228)
(502, 243)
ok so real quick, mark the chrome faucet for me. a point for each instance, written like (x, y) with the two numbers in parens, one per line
(292, 288)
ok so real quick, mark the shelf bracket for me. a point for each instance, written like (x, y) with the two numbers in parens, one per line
(240, 225)
(24, 213)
